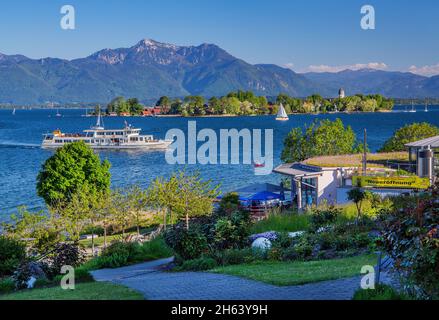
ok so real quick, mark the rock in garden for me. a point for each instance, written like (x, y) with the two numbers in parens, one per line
(261, 244)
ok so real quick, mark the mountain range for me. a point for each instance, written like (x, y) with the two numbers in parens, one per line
(151, 69)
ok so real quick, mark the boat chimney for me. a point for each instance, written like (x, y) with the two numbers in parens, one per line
(425, 163)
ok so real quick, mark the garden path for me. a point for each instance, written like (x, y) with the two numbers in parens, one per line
(158, 285)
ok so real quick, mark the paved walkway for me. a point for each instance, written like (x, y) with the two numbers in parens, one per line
(158, 285)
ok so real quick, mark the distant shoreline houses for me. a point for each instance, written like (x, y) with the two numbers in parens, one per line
(147, 112)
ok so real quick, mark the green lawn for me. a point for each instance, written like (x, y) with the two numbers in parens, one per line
(100, 240)
(295, 273)
(83, 291)
(286, 222)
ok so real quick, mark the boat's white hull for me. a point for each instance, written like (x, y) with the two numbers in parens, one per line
(282, 119)
(97, 137)
(159, 145)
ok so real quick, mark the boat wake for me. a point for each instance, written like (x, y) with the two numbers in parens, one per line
(18, 145)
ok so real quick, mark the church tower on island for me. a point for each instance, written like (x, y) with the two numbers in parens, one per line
(341, 93)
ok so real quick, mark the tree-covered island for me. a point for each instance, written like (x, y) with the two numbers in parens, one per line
(246, 103)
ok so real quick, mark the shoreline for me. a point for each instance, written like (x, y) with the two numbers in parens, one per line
(212, 115)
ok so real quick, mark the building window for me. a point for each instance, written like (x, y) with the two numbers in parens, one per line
(309, 191)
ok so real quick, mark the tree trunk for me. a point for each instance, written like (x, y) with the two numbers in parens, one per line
(93, 244)
(164, 218)
(358, 213)
(105, 236)
(187, 221)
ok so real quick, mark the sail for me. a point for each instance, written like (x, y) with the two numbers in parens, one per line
(282, 113)
(99, 122)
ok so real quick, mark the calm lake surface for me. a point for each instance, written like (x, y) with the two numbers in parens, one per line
(21, 157)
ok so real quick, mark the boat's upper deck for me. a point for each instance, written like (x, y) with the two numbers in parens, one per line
(110, 132)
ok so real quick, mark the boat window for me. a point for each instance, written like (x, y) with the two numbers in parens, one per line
(58, 141)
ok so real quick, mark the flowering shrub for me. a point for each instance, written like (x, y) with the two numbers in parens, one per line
(324, 217)
(269, 235)
(63, 254)
(232, 232)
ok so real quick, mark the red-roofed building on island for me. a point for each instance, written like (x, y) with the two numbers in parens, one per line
(151, 111)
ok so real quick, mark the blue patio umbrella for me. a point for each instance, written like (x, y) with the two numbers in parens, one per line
(265, 196)
(241, 198)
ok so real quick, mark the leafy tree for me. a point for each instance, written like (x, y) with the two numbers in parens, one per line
(295, 146)
(12, 253)
(72, 166)
(120, 209)
(163, 195)
(409, 133)
(118, 105)
(332, 138)
(233, 105)
(197, 196)
(77, 212)
(103, 211)
(321, 138)
(134, 106)
(368, 105)
(308, 107)
(137, 201)
(176, 107)
(357, 196)
(185, 195)
(33, 225)
(165, 103)
(195, 104)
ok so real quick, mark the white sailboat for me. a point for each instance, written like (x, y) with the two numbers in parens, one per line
(413, 108)
(282, 114)
(13, 112)
(426, 107)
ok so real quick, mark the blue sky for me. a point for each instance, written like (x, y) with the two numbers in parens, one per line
(305, 35)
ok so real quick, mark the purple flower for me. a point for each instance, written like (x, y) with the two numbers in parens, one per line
(270, 235)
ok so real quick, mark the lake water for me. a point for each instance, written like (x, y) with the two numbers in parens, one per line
(21, 157)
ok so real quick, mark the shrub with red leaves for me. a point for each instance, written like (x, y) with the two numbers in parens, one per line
(411, 238)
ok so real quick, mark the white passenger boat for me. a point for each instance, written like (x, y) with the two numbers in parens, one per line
(97, 137)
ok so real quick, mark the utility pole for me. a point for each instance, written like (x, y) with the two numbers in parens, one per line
(365, 153)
